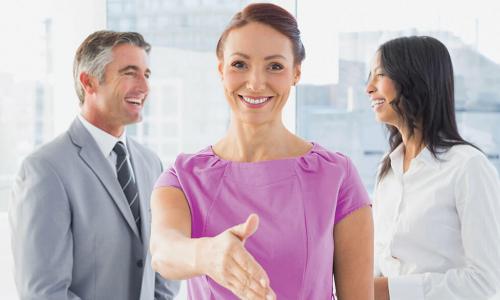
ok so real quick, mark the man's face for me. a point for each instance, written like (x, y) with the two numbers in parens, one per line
(120, 98)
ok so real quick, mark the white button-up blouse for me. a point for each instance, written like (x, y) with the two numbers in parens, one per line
(437, 226)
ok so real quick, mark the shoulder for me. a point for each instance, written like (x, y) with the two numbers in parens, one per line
(464, 155)
(321, 157)
(204, 159)
(186, 167)
(461, 152)
(470, 161)
(52, 153)
(326, 164)
(50, 162)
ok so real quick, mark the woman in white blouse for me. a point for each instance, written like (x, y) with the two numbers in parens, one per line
(437, 198)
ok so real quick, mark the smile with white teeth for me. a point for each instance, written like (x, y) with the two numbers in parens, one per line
(377, 102)
(135, 101)
(255, 101)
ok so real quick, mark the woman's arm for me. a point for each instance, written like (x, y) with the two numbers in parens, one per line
(353, 259)
(381, 288)
(175, 255)
(170, 232)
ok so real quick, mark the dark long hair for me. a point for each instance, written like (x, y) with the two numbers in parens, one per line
(421, 69)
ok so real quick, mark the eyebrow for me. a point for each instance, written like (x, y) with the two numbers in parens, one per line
(378, 68)
(134, 68)
(265, 58)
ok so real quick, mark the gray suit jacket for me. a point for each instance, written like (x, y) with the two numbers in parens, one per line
(73, 234)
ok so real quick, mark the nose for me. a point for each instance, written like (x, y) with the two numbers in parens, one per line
(256, 81)
(143, 84)
(370, 87)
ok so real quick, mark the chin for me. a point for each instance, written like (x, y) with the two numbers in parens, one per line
(255, 120)
(384, 119)
(379, 119)
(134, 120)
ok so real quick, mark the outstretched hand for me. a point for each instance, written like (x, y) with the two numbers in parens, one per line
(228, 263)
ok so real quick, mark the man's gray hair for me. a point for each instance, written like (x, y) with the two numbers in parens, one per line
(95, 53)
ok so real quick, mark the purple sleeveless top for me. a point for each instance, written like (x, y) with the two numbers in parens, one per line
(298, 200)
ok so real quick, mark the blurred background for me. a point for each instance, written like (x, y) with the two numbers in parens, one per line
(186, 110)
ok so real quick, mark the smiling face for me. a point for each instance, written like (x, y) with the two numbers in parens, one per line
(382, 91)
(257, 71)
(120, 98)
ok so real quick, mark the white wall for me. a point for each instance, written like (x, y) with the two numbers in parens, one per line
(73, 21)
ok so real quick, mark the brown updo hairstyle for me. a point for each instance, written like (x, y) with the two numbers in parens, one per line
(271, 15)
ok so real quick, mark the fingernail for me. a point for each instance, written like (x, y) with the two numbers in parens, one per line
(269, 297)
(262, 282)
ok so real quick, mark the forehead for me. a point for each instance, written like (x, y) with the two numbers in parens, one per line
(376, 61)
(126, 54)
(257, 40)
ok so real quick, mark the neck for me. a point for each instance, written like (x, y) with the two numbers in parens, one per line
(95, 119)
(413, 144)
(250, 142)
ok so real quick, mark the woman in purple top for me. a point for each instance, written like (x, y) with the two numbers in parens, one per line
(256, 215)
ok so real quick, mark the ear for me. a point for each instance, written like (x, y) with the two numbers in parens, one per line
(297, 73)
(89, 83)
(220, 68)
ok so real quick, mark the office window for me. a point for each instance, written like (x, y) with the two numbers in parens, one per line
(341, 39)
(187, 109)
(37, 102)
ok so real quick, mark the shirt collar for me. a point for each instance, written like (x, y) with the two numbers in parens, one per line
(105, 141)
(425, 156)
(396, 157)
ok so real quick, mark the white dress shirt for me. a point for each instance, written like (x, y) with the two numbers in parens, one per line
(106, 142)
(437, 226)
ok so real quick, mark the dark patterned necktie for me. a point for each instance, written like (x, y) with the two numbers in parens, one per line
(127, 182)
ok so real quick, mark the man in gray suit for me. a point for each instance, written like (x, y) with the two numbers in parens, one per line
(80, 214)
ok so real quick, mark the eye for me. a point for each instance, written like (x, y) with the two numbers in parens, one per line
(147, 75)
(130, 73)
(380, 75)
(276, 67)
(238, 64)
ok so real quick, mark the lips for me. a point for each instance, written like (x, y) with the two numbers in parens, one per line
(135, 101)
(377, 102)
(255, 100)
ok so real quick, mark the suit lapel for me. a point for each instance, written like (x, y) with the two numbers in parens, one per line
(92, 156)
(143, 181)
